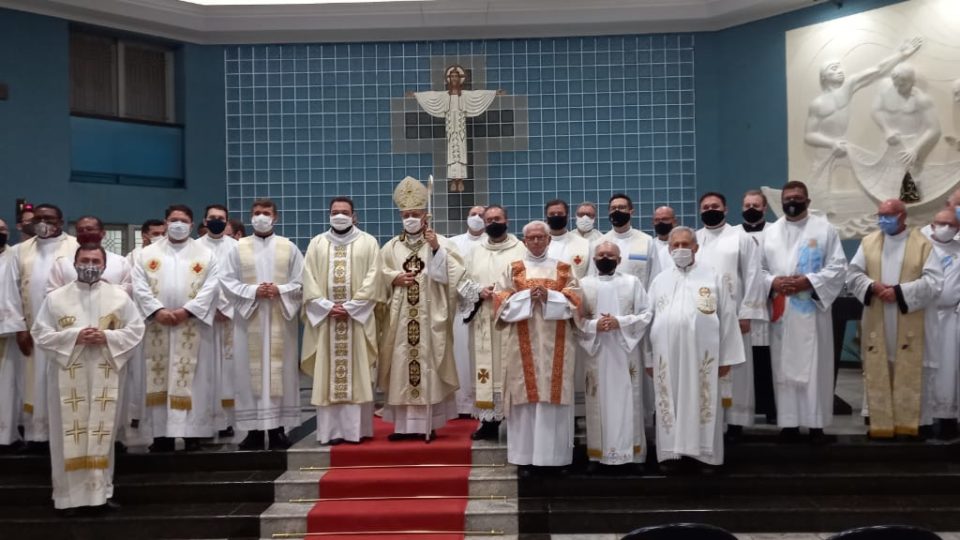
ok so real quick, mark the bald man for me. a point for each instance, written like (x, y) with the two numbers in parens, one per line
(664, 220)
(897, 276)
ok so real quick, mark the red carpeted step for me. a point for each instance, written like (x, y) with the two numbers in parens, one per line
(452, 445)
(399, 482)
(380, 515)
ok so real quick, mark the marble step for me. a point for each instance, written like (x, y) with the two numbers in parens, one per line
(223, 458)
(309, 453)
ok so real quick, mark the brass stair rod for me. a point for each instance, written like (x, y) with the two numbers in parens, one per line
(405, 497)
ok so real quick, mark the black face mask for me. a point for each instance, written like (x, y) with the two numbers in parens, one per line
(557, 222)
(216, 226)
(794, 208)
(3, 240)
(712, 218)
(619, 218)
(605, 266)
(752, 215)
(663, 229)
(496, 230)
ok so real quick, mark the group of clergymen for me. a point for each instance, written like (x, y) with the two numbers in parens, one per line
(188, 338)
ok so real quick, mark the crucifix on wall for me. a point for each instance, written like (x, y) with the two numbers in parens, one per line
(455, 105)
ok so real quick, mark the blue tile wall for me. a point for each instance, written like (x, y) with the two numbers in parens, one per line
(606, 114)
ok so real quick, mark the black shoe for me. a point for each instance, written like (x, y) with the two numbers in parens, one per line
(253, 441)
(948, 429)
(12, 448)
(636, 468)
(402, 436)
(191, 444)
(819, 438)
(709, 470)
(68, 513)
(36, 448)
(224, 433)
(119, 447)
(464, 416)
(790, 435)
(593, 467)
(734, 434)
(278, 439)
(163, 444)
(525, 471)
(488, 431)
(671, 467)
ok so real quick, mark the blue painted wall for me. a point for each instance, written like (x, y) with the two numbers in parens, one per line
(35, 130)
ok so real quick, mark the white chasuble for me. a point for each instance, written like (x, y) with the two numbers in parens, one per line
(416, 366)
(485, 266)
(801, 325)
(695, 331)
(340, 355)
(455, 109)
(943, 395)
(11, 322)
(465, 244)
(180, 386)
(84, 385)
(35, 258)
(223, 335)
(736, 258)
(538, 360)
(265, 331)
(614, 375)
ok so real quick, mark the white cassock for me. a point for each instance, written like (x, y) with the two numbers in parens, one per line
(919, 294)
(759, 330)
(695, 330)
(223, 336)
(538, 349)
(340, 355)
(11, 322)
(180, 390)
(117, 272)
(614, 375)
(663, 260)
(455, 109)
(34, 260)
(133, 407)
(803, 382)
(943, 397)
(85, 385)
(465, 243)
(736, 258)
(266, 359)
(572, 249)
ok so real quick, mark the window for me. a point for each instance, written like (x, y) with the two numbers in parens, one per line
(120, 78)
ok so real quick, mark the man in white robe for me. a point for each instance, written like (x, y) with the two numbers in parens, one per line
(897, 276)
(614, 320)
(34, 260)
(537, 299)
(90, 230)
(736, 258)
(176, 288)
(89, 328)
(637, 248)
(484, 268)
(222, 245)
(586, 224)
(263, 279)
(944, 407)
(417, 274)
(803, 272)
(696, 339)
(664, 220)
(565, 246)
(340, 331)
(11, 322)
(465, 243)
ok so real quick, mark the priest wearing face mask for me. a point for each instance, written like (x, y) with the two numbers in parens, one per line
(566, 247)
(175, 285)
(897, 276)
(735, 256)
(11, 322)
(340, 329)
(465, 244)
(89, 328)
(262, 278)
(34, 262)
(418, 271)
(637, 249)
(587, 222)
(90, 230)
(484, 267)
(664, 220)
(944, 391)
(803, 273)
(696, 340)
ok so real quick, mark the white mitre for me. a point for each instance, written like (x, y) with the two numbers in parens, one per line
(410, 195)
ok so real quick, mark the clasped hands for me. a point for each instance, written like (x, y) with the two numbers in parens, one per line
(538, 293)
(886, 293)
(607, 323)
(91, 336)
(171, 317)
(267, 290)
(787, 285)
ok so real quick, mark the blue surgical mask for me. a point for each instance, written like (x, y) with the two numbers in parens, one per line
(888, 224)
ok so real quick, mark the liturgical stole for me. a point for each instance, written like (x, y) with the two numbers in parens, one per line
(281, 275)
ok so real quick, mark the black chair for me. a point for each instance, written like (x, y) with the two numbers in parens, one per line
(886, 532)
(680, 531)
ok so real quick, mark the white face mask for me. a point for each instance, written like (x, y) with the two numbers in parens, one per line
(585, 224)
(341, 222)
(944, 233)
(682, 257)
(475, 223)
(412, 225)
(262, 223)
(178, 230)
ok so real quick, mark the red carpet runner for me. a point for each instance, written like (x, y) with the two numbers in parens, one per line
(452, 446)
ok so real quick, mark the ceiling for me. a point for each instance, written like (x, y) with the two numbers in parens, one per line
(275, 21)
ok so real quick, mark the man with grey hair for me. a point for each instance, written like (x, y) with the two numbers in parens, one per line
(536, 299)
(696, 339)
(587, 222)
(615, 318)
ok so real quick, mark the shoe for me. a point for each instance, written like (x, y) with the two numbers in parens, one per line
(593, 467)
(191, 444)
(278, 439)
(488, 431)
(948, 429)
(253, 441)
(162, 444)
(401, 436)
(790, 435)
(671, 467)
(36, 448)
(709, 470)
(119, 447)
(12, 448)
(819, 438)
(224, 433)
(68, 513)
(734, 434)
(525, 471)
(636, 468)
(463, 416)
